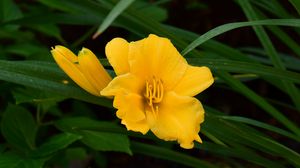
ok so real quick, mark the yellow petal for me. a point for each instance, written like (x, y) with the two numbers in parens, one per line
(128, 101)
(93, 69)
(140, 126)
(68, 54)
(130, 107)
(67, 61)
(127, 83)
(194, 81)
(117, 54)
(178, 118)
(156, 56)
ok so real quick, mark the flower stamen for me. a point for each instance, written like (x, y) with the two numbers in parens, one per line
(154, 93)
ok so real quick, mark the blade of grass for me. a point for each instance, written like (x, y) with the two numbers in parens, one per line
(286, 39)
(275, 8)
(245, 67)
(236, 152)
(237, 85)
(270, 50)
(281, 35)
(213, 138)
(241, 145)
(296, 4)
(268, 145)
(244, 135)
(260, 125)
(57, 4)
(230, 26)
(167, 154)
(56, 18)
(113, 14)
(260, 55)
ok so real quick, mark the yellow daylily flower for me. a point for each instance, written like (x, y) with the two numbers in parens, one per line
(85, 69)
(154, 89)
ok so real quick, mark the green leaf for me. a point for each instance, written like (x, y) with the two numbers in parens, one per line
(57, 4)
(15, 161)
(271, 51)
(259, 54)
(236, 152)
(167, 154)
(19, 36)
(62, 18)
(113, 14)
(28, 50)
(48, 29)
(230, 26)
(277, 148)
(281, 35)
(30, 95)
(240, 135)
(43, 99)
(99, 135)
(104, 141)
(19, 128)
(54, 144)
(296, 4)
(274, 7)
(151, 10)
(261, 125)
(84, 123)
(268, 145)
(237, 85)
(32, 74)
(246, 67)
(9, 11)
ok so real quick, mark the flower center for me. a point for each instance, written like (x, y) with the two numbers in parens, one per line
(154, 93)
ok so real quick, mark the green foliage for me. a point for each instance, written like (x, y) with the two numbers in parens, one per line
(42, 125)
(296, 4)
(113, 14)
(102, 136)
(15, 161)
(54, 144)
(19, 128)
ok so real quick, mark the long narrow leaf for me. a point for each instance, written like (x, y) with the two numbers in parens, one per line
(45, 76)
(270, 50)
(296, 4)
(237, 152)
(261, 125)
(241, 134)
(244, 67)
(230, 26)
(167, 154)
(235, 84)
(113, 14)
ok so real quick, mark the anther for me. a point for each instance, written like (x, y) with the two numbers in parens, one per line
(154, 93)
